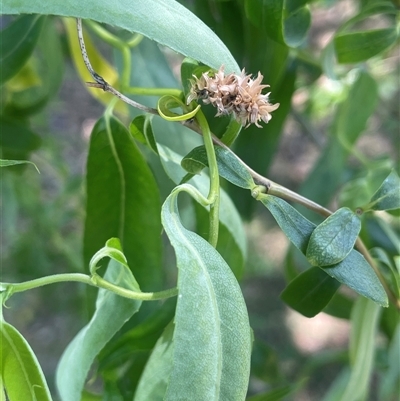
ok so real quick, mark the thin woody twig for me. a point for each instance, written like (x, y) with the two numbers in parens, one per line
(101, 83)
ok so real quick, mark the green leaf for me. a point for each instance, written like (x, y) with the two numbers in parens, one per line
(296, 26)
(16, 139)
(364, 327)
(286, 25)
(140, 339)
(212, 338)
(6, 163)
(229, 166)
(355, 272)
(355, 47)
(120, 186)
(164, 21)
(142, 131)
(389, 385)
(295, 226)
(387, 197)
(112, 250)
(334, 238)
(232, 132)
(389, 271)
(267, 15)
(195, 161)
(154, 381)
(47, 63)
(17, 43)
(232, 169)
(21, 374)
(310, 292)
(112, 311)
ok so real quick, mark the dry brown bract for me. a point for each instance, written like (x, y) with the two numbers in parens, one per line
(237, 94)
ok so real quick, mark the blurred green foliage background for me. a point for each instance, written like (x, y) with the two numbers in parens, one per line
(334, 139)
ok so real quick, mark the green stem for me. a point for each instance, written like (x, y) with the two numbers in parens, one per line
(116, 42)
(95, 281)
(127, 67)
(40, 282)
(105, 35)
(143, 296)
(213, 195)
(133, 90)
(135, 40)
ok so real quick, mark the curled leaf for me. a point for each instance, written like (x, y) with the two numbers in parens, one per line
(168, 102)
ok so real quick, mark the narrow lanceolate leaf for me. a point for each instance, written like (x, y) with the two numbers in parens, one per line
(296, 25)
(195, 161)
(17, 43)
(232, 169)
(7, 163)
(112, 250)
(355, 272)
(20, 371)
(296, 227)
(364, 319)
(120, 186)
(165, 21)
(229, 166)
(310, 292)
(334, 238)
(142, 131)
(154, 380)
(387, 197)
(212, 339)
(112, 311)
(354, 47)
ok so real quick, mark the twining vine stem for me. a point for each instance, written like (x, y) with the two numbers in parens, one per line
(198, 126)
(94, 280)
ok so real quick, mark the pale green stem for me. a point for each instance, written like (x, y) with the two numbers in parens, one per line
(110, 107)
(40, 282)
(127, 67)
(116, 42)
(213, 195)
(95, 281)
(133, 90)
(105, 35)
(143, 296)
(135, 40)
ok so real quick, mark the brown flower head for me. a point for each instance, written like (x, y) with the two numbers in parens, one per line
(239, 95)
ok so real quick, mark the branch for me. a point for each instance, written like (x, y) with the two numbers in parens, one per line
(272, 187)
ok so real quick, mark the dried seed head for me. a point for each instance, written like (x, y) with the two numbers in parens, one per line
(239, 95)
